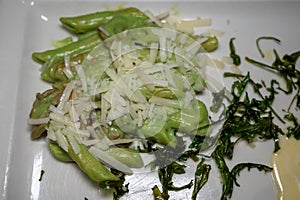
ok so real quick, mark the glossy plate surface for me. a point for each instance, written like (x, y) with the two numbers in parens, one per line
(28, 26)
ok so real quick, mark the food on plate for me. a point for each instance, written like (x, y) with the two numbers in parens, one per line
(133, 84)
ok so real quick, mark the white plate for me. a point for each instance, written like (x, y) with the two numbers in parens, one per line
(28, 26)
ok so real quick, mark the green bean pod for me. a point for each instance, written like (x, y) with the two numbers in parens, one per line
(38, 130)
(157, 130)
(162, 92)
(59, 153)
(203, 126)
(129, 157)
(122, 23)
(43, 101)
(198, 82)
(85, 23)
(40, 109)
(91, 166)
(82, 46)
(166, 137)
(210, 44)
(193, 120)
(54, 72)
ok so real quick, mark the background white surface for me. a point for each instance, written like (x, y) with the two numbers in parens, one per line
(24, 29)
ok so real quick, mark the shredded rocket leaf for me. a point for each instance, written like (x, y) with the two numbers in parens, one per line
(235, 57)
(265, 38)
(201, 177)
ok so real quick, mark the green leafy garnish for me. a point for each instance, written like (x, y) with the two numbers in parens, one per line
(236, 58)
(201, 177)
(265, 38)
(41, 175)
(165, 175)
(120, 187)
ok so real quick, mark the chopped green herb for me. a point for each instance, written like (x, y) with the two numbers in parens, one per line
(265, 38)
(201, 177)
(157, 193)
(165, 175)
(120, 187)
(236, 58)
(41, 175)
(285, 67)
(239, 167)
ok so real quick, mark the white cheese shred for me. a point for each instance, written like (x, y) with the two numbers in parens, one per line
(66, 94)
(38, 121)
(82, 77)
(152, 17)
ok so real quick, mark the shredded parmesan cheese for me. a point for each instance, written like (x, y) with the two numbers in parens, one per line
(109, 87)
(44, 120)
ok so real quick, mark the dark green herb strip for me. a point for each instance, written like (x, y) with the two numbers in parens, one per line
(294, 129)
(266, 101)
(227, 179)
(201, 177)
(157, 193)
(246, 119)
(236, 58)
(265, 38)
(41, 175)
(239, 167)
(165, 175)
(285, 68)
(120, 187)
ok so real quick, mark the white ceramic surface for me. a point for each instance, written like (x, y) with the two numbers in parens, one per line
(28, 26)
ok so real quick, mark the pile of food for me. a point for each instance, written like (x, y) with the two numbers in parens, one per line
(131, 85)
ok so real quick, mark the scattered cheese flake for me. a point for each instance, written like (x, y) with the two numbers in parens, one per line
(38, 121)
(215, 32)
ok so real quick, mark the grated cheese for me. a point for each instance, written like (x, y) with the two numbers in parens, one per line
(44, 120)
(66, 94)
(152, 17)
(117, 94)
(61, 140)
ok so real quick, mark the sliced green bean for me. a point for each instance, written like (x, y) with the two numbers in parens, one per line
(40, 109)
(38, 130)
(62, 42)
(51, 67)
(157, 130)
(210, 44)
(59, 153)
(166, 137)
(203, 125)
(162, 92)
(85, 23)
(121, 23)
(198, 82)
(42, 103)
(91, 166)
(190, 119)
(54, 73)
(129, 157)
(83, 36)
(82, 46)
